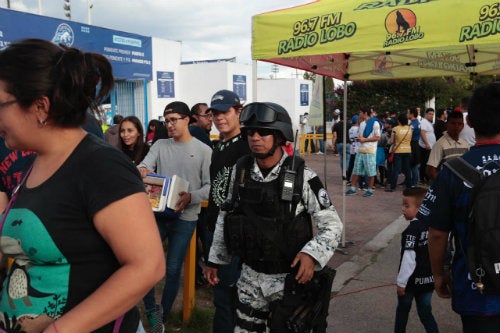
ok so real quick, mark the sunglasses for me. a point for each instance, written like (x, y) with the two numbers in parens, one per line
(260, 131)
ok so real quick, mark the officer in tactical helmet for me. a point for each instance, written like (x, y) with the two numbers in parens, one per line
(267, 219)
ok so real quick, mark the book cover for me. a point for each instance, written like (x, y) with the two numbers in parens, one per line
(156, 187)
(176, 185)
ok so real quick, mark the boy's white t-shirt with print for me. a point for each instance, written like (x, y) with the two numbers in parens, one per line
(369, 147)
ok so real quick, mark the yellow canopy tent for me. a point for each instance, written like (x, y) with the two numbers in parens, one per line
(370, 40)
(385, 39)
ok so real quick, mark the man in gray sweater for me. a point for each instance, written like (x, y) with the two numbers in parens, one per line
(188, 158)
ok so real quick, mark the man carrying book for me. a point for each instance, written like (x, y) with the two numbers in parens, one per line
(189, 159)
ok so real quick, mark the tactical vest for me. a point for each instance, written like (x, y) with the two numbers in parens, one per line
(260, 227)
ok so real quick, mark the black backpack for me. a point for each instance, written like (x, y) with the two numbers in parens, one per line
(483, 225)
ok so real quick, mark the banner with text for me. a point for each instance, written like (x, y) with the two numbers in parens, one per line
(130, 54)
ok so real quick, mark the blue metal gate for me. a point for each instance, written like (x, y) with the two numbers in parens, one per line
(129, 98)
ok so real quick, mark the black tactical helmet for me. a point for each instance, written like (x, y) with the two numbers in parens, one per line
(267, 115)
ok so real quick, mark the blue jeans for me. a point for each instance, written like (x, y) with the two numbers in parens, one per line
(225, 295)
(401, 162)
(415, 175)
(480, 324)
(179, 233)
(340, 151)
(424, 310)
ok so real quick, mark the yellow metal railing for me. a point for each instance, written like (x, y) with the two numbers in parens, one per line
(316, 138)
(189, 276)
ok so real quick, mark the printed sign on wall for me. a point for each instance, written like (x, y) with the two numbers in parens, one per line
(166, 86)
(240, 87)
(304, 94)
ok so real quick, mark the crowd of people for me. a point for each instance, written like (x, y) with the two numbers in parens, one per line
(381, 148)
(80, 244)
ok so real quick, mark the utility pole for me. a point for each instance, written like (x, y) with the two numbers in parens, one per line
(67, 9)
(89, 11)
(275, 69)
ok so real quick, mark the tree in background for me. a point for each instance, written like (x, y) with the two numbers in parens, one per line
(399, 95)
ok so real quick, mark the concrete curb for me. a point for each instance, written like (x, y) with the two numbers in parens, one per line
(358, 263)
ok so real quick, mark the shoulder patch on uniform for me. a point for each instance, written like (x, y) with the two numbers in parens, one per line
(320, 191)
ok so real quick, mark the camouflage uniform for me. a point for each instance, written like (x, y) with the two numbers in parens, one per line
(257, 290)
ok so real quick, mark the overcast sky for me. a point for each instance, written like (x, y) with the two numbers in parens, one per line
(208, 29)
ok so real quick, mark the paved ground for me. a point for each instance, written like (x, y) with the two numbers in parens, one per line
(363, 217)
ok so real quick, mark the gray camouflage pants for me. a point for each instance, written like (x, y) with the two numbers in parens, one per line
(256, 291)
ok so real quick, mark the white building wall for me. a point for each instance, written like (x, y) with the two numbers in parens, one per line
(166, 58)
(200, 81)
(194, 83)
(285, 92)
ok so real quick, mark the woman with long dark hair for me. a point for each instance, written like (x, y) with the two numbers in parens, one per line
(132, 139)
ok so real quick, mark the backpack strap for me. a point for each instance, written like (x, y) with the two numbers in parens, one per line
(242, 173)
(297, 164)
(465, 171)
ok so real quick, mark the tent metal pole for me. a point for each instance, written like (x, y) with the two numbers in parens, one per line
(324, 130)
(344, 182)
(254, 81)
(341, 249)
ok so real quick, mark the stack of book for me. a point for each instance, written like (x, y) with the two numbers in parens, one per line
(163, 191)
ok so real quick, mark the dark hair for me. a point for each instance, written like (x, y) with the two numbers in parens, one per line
(160, 132)
(33, 68)
(455, 115)
(429, 110)
(365, 110)
(117, 118)
(153, 122)
(138, 149)
(196, 108)
(415, 192)
(403, 119)
(414, 112)
(440, 112)
(484, 106)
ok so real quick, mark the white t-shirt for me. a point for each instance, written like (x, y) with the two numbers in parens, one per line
(426, 126)
(468, 133)
(305, 125)
(369, 147)
(353, 137)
